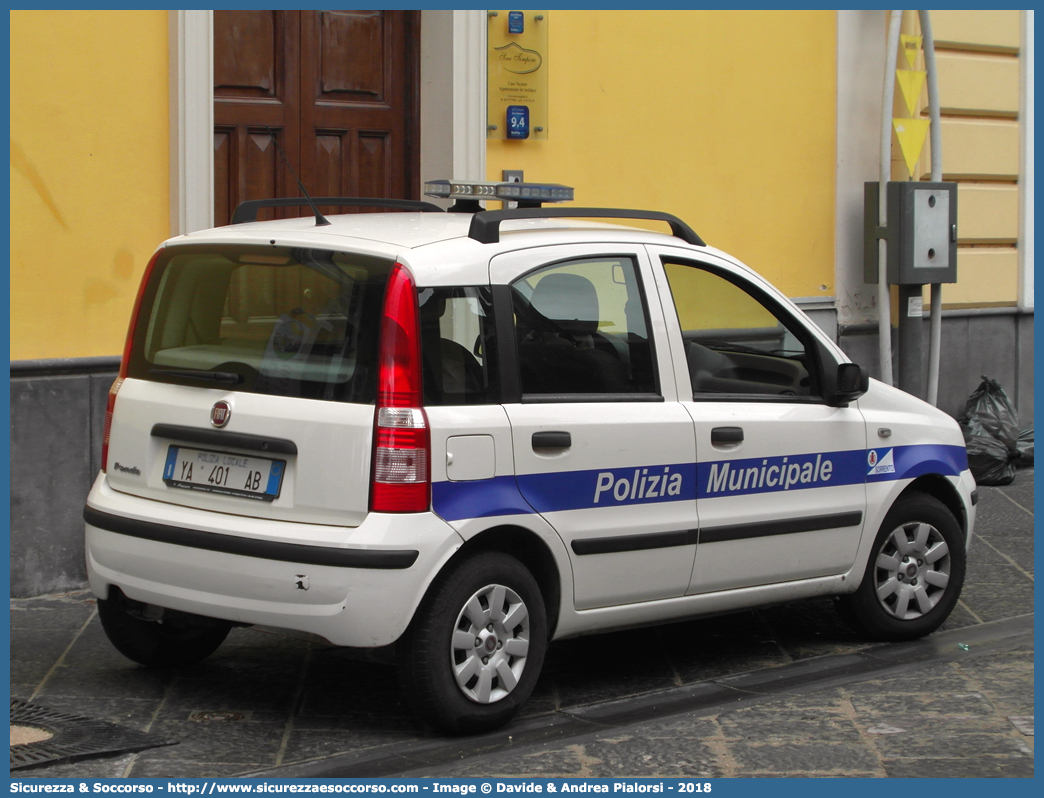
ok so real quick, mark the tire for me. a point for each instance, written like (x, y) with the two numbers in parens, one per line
(914, 575)
(461, 667)
(170, 643)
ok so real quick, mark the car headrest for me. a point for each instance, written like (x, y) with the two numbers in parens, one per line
(569, 300)
(432, 310)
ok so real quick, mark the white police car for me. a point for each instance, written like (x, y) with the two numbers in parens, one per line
(469, 433)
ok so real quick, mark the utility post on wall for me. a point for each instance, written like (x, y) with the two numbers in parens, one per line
(916, 219)
(922, 249)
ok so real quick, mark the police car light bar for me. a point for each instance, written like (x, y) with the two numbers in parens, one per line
(525, 193)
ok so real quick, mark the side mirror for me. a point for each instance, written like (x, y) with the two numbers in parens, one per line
(852, 382)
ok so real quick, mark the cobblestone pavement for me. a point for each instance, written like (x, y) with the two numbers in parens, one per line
(273, 700)
(958, 719)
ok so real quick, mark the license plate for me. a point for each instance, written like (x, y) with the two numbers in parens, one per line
(220, 472)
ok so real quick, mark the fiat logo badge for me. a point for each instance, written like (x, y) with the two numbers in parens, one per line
(220, 413)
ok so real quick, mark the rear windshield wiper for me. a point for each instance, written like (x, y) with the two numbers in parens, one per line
(226, 377)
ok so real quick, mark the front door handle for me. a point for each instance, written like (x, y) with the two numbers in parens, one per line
(552, 440)
(727, 435)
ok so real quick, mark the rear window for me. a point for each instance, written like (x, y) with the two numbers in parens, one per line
(275, 320)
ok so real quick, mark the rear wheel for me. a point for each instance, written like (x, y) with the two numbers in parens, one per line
(915, 573)
(474, 650)
(174, 641)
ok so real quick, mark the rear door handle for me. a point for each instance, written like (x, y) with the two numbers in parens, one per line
(552, 440)
(727, 435)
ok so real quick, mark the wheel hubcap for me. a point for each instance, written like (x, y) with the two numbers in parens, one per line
(913, 570)
(490, 644)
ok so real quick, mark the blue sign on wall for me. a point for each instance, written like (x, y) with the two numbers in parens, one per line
(516, 22)
(518, 122)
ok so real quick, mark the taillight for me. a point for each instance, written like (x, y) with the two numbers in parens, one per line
(401, 449)
(110, 404)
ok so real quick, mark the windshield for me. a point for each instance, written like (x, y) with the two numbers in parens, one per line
(275, 320)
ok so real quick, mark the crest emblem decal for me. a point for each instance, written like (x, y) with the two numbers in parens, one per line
(880, 463)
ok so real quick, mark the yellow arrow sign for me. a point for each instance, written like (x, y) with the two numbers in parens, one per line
(910, 82)
(911, 46)
(911, 134)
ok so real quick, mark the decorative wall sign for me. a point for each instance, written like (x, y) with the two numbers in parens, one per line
(911, 45)
(911, 134)
(516, 71)
(911, 82)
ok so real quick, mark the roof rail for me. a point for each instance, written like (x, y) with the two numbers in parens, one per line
(247, 211)
(485, 226)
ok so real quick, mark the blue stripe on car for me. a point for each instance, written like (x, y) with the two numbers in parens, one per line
(480, 498)
(650, 484)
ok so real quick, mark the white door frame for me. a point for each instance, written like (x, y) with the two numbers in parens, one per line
(191, 89)
(452, 101)
(860, 65)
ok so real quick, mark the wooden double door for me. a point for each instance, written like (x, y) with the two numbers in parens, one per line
(338, 90)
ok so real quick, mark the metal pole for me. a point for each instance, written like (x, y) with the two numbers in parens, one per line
(911, 360)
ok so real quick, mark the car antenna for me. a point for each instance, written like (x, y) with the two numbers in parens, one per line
(320, 220)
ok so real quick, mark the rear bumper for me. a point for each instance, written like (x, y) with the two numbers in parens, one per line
(249, 547)
(354, 586)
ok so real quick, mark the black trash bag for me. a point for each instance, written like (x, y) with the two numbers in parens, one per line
(990, 405)
(1026, 447)
(991, 434)
(971, 427)
(990, 461)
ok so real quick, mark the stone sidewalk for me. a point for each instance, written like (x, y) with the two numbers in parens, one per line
(964, 719)
(274, 700)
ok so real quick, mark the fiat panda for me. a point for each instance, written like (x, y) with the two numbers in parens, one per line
(457, 436)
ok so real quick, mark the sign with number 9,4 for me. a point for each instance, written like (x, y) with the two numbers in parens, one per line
(518, 122)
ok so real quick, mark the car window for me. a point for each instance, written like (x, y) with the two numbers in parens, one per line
(734, 342)
(457, 346)
(282, 321)
(581, 328)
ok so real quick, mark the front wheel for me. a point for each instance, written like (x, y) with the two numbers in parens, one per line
(915, 573)
(474, 651)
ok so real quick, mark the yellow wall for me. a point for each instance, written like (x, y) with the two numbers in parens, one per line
(726, 119)
(89, 174)
(977, 53)
(977, 31)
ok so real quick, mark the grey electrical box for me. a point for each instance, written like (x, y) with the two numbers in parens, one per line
(921, 232)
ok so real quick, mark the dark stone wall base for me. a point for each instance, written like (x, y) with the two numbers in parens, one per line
(995, 343)
(57, 415)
